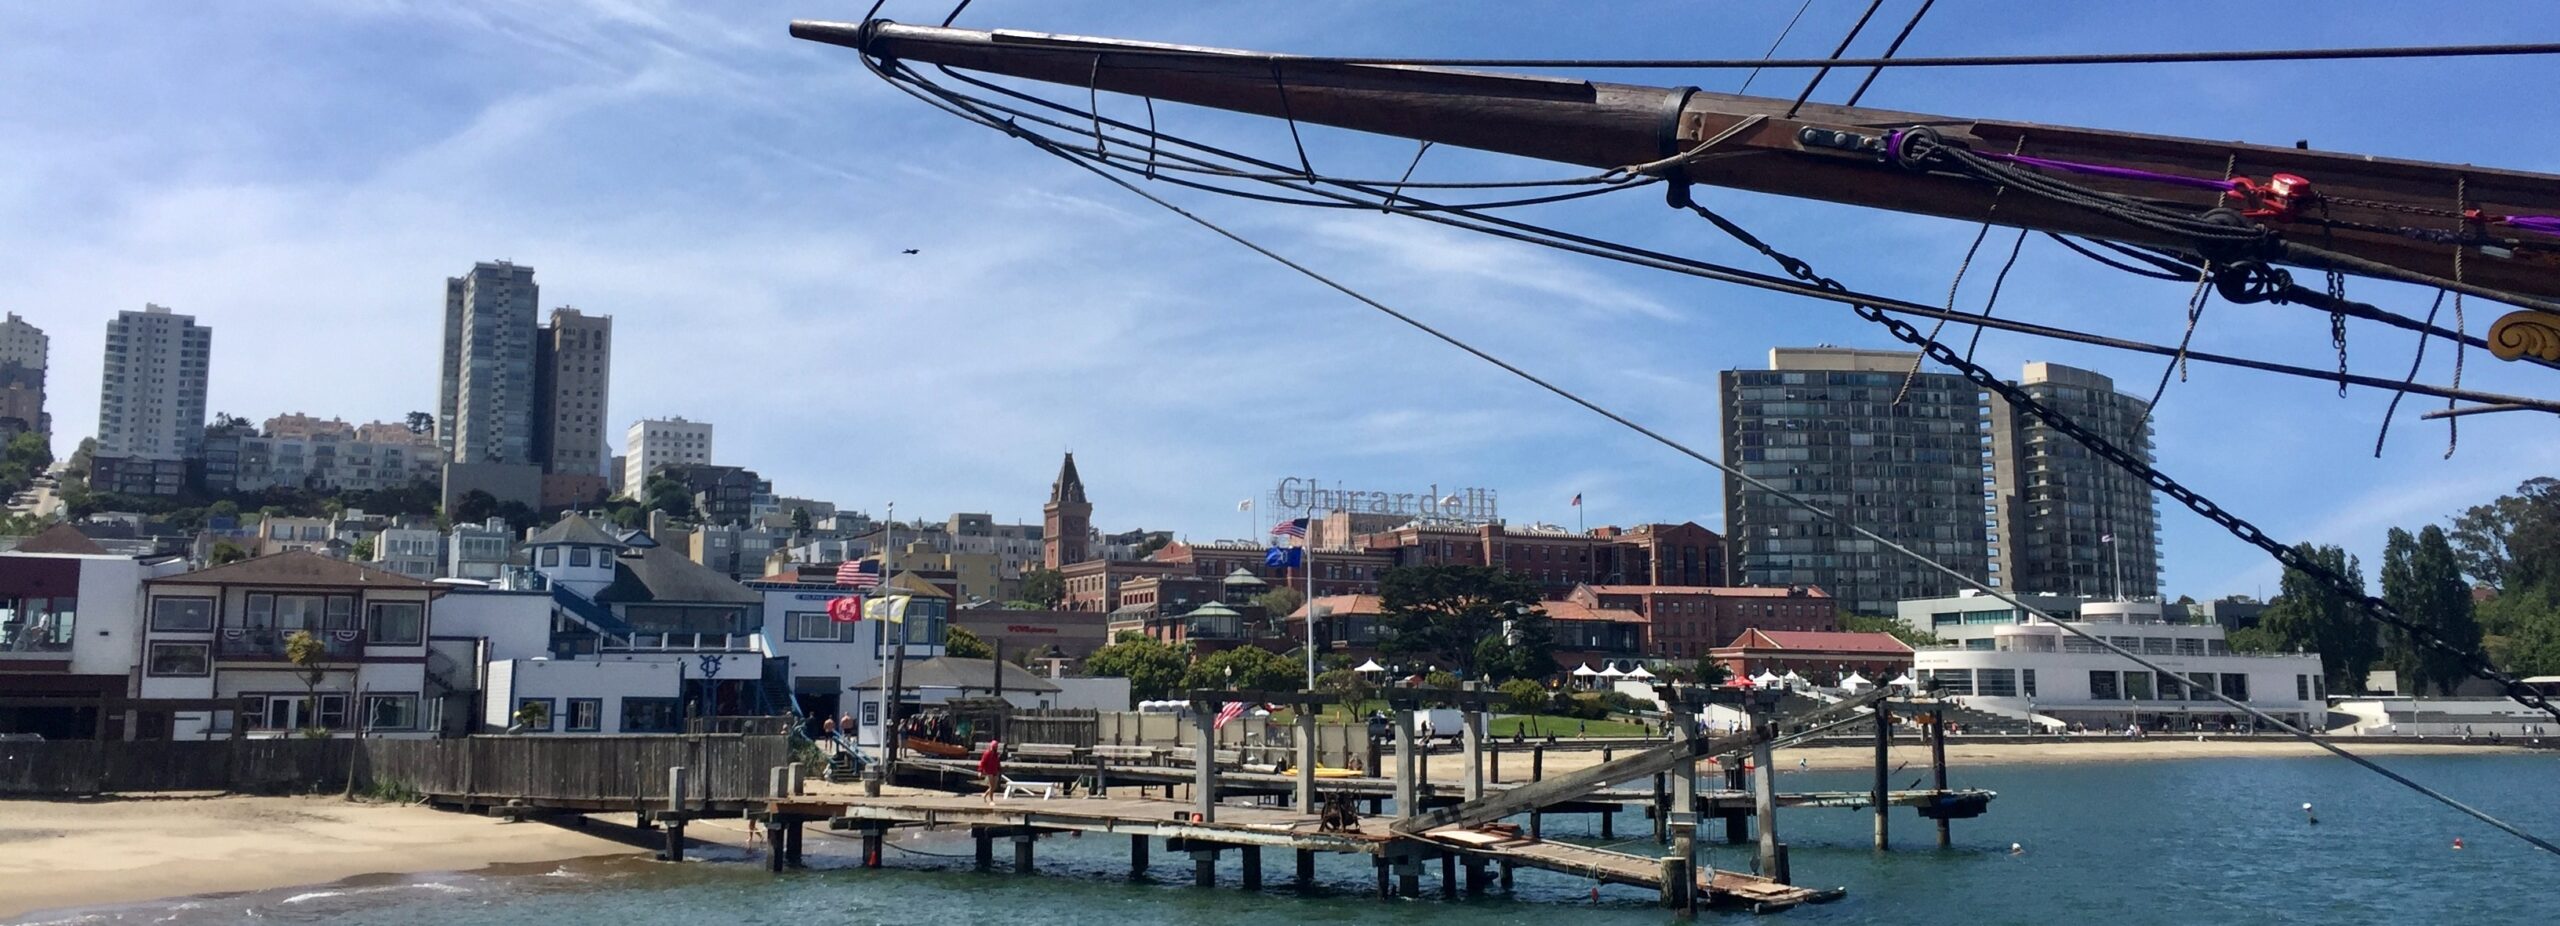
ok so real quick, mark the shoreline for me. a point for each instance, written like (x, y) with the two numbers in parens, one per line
(1842, 755)
(66, 856)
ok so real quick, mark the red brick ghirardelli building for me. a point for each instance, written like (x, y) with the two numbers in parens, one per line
(1067, 520)
(1685, 622)
(1558, 560)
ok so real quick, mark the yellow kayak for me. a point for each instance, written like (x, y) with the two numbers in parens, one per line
(1325, 771)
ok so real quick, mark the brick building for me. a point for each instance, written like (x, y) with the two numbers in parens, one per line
(1820, 658)
(1683, 622)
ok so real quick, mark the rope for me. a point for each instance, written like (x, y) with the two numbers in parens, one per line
(2420, 358)
(1961, 266)
(2178, 363)
(2368, 53)
(1854, 29)
(1913, 23)
(2015, 245)
(1773, 46)
(2453, 426)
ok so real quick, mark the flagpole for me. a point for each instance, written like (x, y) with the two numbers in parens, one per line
(1303, 542)
(889, 662)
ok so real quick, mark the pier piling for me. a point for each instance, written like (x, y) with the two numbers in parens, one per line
(1381, 865)
(986, 847)
(1137, 856)
(1022, 843)
(1938, 766)
(1448, 876)
(1249, 859)
(1306, 868)
(871, 843)
(1204, 867)
(1764, 796)
(1409, 876)
(1306, 758)
(1405, 805)
(1884, 745)
(791, 842)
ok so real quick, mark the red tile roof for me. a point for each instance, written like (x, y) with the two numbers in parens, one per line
(1820, 641)
(1570, 611)
(1720, 591)
(1344, 605)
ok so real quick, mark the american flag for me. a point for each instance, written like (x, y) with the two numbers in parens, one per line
(1231, 711)
(1577, 499)
(1294, 527)
(858, 574)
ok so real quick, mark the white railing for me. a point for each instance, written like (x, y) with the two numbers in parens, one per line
(687, 643)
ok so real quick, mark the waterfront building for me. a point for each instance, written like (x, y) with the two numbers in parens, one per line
(2069, 523)
(1860, 433)
(150, 401)
(1822, 658)
(70, 622)
(1686, 622)
(223, 633)
(1997, 661)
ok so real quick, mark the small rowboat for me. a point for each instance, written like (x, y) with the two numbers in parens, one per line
(936, 748)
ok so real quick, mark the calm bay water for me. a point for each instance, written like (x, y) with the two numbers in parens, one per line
(2196, 841)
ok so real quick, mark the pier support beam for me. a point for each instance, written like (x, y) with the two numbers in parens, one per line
(1249, 860)
(773, 847)
(676, 780)
(1137, 856)
(1884, 746)
(1506, 875)
(1204, 867)
(1409, 876)
(1022, 843)
(1477, 876)
(1661, 808)
(1448, 876)
(1380, 863)
(791, 842)
(1684, 810)
(1938, 766)
(1734, 834)
(1676, 882)
(871, 841)
(1764, 795)
(1406, 778)
(1306, 868)
(1306, 756)
(1204, 775)
(986, 846)
(1471, 725)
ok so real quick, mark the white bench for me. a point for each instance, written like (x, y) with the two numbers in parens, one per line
(1045, 751)
(1125, 753)
(1045, 789)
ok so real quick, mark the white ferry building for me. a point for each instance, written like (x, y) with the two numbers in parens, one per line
(1995, 660)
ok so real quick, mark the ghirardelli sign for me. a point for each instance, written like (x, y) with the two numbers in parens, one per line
(1311, 496)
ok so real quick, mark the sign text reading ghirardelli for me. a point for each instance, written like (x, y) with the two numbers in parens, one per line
(1309, 495)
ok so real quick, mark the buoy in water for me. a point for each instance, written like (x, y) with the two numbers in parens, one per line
(2308, 815)
(2457, 842)
(2016, 849)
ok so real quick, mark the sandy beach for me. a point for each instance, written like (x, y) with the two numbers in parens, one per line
(56, 854)
(1913, 750)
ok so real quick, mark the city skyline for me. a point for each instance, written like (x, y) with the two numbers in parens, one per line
(710, 196)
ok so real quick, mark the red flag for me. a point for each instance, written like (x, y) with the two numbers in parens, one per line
(845, 610)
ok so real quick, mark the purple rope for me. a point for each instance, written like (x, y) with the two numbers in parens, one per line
(2121, 173)
(2546, 224)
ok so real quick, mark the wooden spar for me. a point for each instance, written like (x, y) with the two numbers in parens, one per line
(1568, 787)
(1605, 125)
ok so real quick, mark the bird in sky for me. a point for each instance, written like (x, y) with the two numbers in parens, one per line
(908, 251)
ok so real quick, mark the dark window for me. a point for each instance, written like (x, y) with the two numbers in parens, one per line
(391, 712)
(586, 715)
(395, 623)
(533, 715)
(182, 615)
(653, 715)
(2235, 686)
(181, 659)
(2102, 686)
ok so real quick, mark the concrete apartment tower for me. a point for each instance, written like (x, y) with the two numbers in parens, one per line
(573, 364)
(1824, 423)
(486, 410)
(2070, 523)
(1067, 520)
(23, 349)
(656, 442)
(151, 400)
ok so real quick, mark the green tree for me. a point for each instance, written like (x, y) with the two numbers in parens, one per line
(225, 553)
(1711, 672)
(960, 642)
(1445, 615)
(1525, 696)
(306, 652)
(1246, 668)
(800, 519)
(2421, 579)
(1043, 587)
(667, 495)
(1869, 623)
(362, 550)
(2311, 616)
(2482, 534)
(421, 423)
(1349, 689)
(474, 507)
(1151, 666)
(1280, 602)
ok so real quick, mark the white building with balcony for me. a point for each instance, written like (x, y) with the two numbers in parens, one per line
(2005, 662)
(225, 633)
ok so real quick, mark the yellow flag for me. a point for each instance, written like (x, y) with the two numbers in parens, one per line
(890, 608)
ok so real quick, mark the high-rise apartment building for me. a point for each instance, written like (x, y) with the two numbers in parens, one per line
(1838, 427)
(655, 442)
(151, 397)
(573, 363)
(486, 410)
(2070, 523)
(23, 349)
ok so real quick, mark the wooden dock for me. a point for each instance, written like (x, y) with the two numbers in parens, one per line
(1247, 829)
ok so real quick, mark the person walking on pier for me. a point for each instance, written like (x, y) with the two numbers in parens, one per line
(991, 767)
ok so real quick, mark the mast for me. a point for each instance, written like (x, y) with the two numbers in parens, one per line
(1604, 125)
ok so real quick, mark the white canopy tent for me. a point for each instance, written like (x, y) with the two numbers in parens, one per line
(1856, 682)
(1765, 679)
(1612, 672)
(1369, 666)
(1640, 673)
(1905, 680)
(1585, 671)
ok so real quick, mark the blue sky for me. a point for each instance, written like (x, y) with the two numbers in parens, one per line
(302, 175)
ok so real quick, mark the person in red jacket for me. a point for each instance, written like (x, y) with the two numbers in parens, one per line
(991, 767)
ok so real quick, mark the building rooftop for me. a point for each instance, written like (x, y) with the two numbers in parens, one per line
(1721, 591)
(297, 568)
(964, 674)
(575, 529)
(651, 574)
(1827, 641)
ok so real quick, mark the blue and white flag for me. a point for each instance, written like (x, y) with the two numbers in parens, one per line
(1283, 557)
